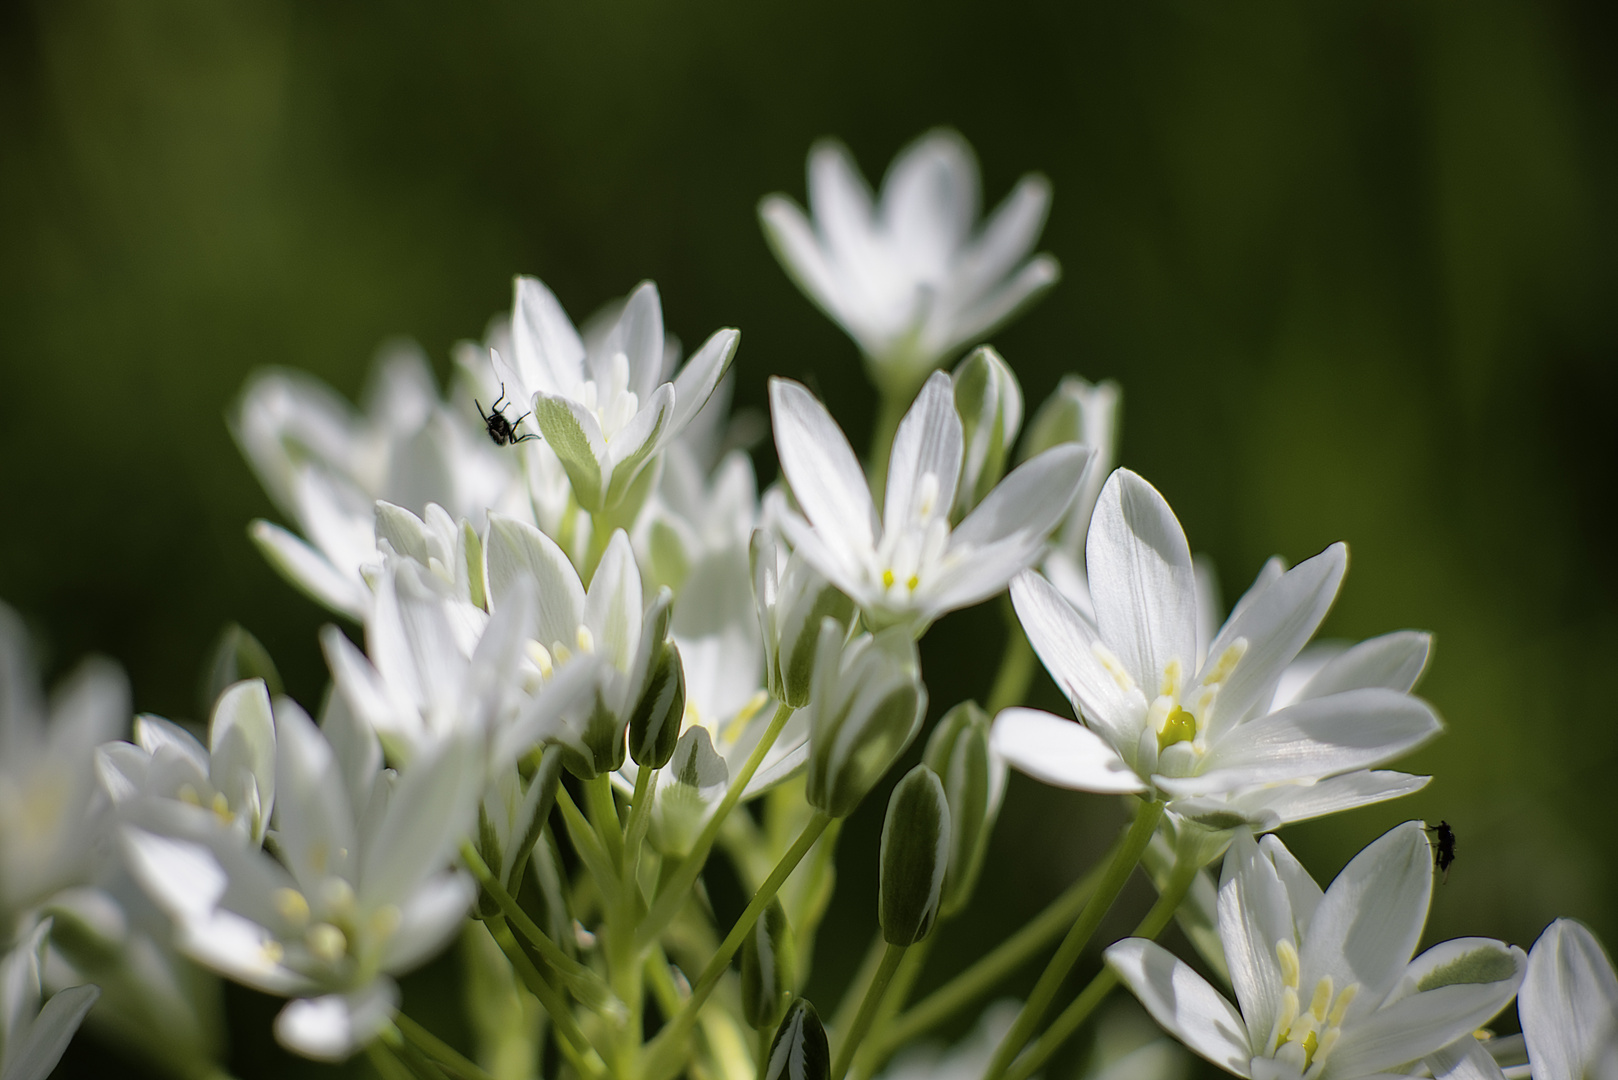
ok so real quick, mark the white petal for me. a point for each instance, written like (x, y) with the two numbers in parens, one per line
(1007, 236)
(1255, 915)
(1393, 661)
(1314, 739)
(613, 607)
(1302, 892)
(183, 877)
(546, 349)
(820, 465)
(638, 334)
(1033, 278)
(1142, 582)
(794, 242)
(242, 950)
(1061, 752)
(930, 199)
(1371, 917)
(1183, 1003)
(428, 920)
(334, 1027)
(314, 823)
(1467, 1059)
(697, 380)
(929, 442)
(1066, 645)
(1275, 626)
(153, 734)
(1029, 501)
(1568, 1003)
(430, 812)
(310, 571)
(840, 201)
(241, 739)
(1333, 795)
(35, 1051)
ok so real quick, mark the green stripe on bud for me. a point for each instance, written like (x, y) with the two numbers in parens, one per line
(990, 404)
(769, 969)
(792, 601)
(654, 726)
(915, 857)
(866, 705)
(974, 783)
(799, 1050)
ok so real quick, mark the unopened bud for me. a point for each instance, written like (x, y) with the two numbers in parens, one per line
(792, 599)
(974, 783)
(799, 1050)
(237, 655)
(695, 780)
(866, 705)
(915, 857)
(990, 403)
(1085, 413)
(654, 726)
(769, 968)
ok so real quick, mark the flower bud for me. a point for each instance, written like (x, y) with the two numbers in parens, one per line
(791, 599)
(1085, 413)
(654, 726)
(237, 655)
(915, 857)
(769, 968)
(990, 403)
(695, 780)
(866, 705)
(974, 783)
(799, 1050)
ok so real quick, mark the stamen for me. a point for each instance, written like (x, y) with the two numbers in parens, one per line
(1344, 1000)
(326, 942)
(1322, 999)
(1114, 667)
(887, 579)
(291, 906)
(586, 640)
(1287, 954)
(1221, 668)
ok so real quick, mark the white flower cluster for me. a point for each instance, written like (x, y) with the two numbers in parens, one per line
(579, 638)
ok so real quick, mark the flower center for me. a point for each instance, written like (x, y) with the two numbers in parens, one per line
(1304, 1037)
(612, 402)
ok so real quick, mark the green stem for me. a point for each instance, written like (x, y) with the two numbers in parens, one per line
(854, 993)
(604, 816)
(865, 1063)
(570, 1038)
(386, 1063)
(1016, 670)
(440, 1051)
(676, 890)
(640, 819)
(868, 1009)
(1006, 958)
(662, 1064)
(408, 1055)
(1074, 1016)
(1067, 954)
(588, 845)
(585, 984)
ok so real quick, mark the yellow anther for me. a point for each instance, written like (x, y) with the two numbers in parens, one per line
(326, 942)
(1172, 676)
(1344, 1000)
(541, 657)
(1114, 667)
(1287, 955)
(1222, 667)
(561, 652)
(385, 921)
(1289, 1014)
(1328, 1040)
(338, 895)
(586, 640)
(188, 794)
(911, 582)
(271, 951)
(1322, 999)
(292, 907)
(221, 808)
(887, 579)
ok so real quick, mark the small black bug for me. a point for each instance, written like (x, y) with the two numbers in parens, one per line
(501, 430)
(1444, 848)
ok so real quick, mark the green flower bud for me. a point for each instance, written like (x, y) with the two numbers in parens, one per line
(792, 600)
(990, 403)
(237, 655)
(866, 705)
(769, 968)
(974, 782)
(1085, 413)
(799, 1051)
(695, 780)
(915, 857)
(654, 726)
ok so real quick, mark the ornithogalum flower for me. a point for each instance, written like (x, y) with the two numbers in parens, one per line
(1325, 985)
(908, 566)
(609, 408)
(325, 465)
(1569, 1006)
(1204, 732)
(229, 783)
(363, 889)
(912, 276)
(34, 1031)
(49, 803)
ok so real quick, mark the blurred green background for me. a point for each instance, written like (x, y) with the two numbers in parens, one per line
(1352, 261)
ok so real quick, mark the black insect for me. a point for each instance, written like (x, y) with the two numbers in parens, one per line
(1443, 847)
(501, 430)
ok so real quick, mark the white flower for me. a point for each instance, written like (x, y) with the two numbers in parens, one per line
(910, 567)
(325, 465)
(1569, 1006)
(1157, 716)
(34, 1032)
(1325, 985)
(608, 409)
(49, 802)
(363, 891)
(914, 276)
(230, 782)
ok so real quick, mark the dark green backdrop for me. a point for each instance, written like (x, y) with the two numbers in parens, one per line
(1353, 263)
